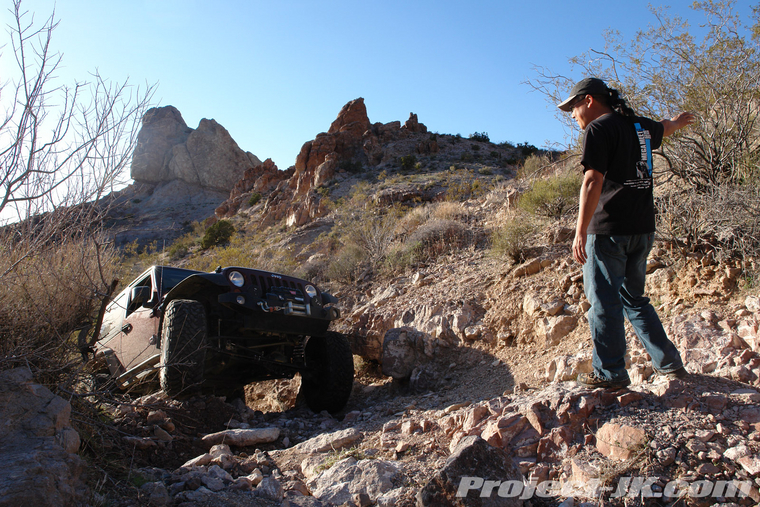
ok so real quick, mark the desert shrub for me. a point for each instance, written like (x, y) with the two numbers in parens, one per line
(480, 136)
(466, 187)
(254, 199)
(513, 239)
(552, 197)
(416, 217)
(526, 149)
(533, 165)
(177, 251)
(438, 236)
(411, 220)
(47, 293)
(724, 221)
(403, 256)
(349, 166)
(218, 234)
(448, 211)
(347, 264)
(408, 162)
(370, 228)
(314, 269)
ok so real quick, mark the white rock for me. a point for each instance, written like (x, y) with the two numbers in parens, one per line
(242, 438)
(348, 477)
(329, 441)
(734, 453)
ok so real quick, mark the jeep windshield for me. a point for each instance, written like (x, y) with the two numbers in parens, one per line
(169, 277)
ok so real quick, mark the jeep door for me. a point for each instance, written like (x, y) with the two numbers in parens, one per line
(129, 329)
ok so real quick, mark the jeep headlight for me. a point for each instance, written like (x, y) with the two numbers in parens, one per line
(236, 278)
(311, 291)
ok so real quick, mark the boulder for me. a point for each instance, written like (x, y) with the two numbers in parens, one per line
(338, 484)
(402, 349)
(472, 465)
(37, 464)
(242, 437)
(620, 442)
(329, 441)
(553, 329)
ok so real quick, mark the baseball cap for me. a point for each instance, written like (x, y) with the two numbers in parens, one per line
(588, 86)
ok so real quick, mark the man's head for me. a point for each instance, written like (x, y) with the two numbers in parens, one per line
(587, 101)
(588, 86)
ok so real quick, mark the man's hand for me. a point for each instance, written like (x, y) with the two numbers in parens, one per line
(591, 189)
(678, 122)
(579, 248)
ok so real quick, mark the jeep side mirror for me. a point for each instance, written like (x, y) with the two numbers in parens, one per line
(140, 296)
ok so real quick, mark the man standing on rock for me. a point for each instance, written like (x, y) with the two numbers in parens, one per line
(615, 229)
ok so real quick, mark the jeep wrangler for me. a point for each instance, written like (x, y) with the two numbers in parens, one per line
(216, 332)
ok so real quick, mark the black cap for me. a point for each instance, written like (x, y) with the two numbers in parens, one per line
(588, 86)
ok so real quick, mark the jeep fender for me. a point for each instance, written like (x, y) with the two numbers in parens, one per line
(203, 284)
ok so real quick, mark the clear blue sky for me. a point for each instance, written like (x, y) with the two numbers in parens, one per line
(275, 73)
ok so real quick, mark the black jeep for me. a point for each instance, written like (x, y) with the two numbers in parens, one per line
(216, 332)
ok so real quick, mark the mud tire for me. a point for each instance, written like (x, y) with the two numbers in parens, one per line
(329, 375)
(183, 352)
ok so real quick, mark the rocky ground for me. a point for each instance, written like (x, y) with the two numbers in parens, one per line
(488, 350)
(398, 437)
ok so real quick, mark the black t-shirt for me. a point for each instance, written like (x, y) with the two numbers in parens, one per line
(616, 146)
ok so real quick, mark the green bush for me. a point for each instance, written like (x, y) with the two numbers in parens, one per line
(402, 257)
(532, 166)
(351, 166)
(408, 162)
(438, 236)
(513, 239)
(552, 197)
(345, 267)
(177, 251)
(218, 234)
(527, 149)
(254, 199)
(480, 136)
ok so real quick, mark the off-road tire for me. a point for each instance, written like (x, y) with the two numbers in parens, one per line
(329, 375)
(183, 352)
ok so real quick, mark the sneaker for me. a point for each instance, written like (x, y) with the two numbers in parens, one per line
(591, 380)
(677, 373)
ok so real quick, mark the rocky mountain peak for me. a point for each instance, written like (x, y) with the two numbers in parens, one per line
(352, 116)
(167, 150)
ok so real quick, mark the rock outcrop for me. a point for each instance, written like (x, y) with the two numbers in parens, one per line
(261, 179)
(167, 149)
(38, 464)
(181, 175)
(351, 142)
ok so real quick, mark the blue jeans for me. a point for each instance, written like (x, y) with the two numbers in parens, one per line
(613, 280)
